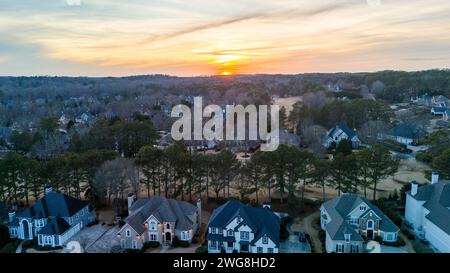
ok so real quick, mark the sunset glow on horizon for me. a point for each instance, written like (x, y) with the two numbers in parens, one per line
(199, 37)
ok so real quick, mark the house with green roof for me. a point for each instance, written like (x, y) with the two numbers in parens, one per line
(349, 221)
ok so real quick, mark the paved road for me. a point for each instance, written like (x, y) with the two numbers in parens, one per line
(307, 225)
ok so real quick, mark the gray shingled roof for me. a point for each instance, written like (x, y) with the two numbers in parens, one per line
(55, 226)
(437, 201)
(165, 210)
(406, 130)
(54, 204)
(347, 130)
(261, 220)
(339, 209)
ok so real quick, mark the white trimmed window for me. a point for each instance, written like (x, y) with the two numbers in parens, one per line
(152, 225)
(245, 235)
(347, 238)
(265, 240)
(153, 237)
(362, 207)
(128, 233)
(230, 232)
(212, 244)
(134, 244)
(270, 250)
(354, 220)
(260, 249)
(339, 248)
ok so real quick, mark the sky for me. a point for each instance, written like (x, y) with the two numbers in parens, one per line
(212, 37)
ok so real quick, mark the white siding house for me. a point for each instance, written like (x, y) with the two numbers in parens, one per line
(235, 227)
(428, 212)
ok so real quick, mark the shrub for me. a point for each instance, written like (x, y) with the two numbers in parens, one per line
(151, 244)
(411, 237)
(175, 241)
(10, 247)
(284, 233)
(183, 243)
(27, 244)
(201, 250)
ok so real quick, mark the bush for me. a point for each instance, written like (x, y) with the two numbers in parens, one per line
(10, 247)
(400, 242)
(183, 244)
(201, 250)
(426, 157)
(151, 244)
(27, 244)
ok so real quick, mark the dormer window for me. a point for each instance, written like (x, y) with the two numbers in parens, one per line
(238, 219)
(362, 207)
(265, 240)
(128, 233)
(167, 226)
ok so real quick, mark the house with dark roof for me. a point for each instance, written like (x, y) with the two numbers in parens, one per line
(159, 219)
(340, 132)
(235, 227)
(349, 221)
(427, 211)
(52, 220)
(438, 110)
(405, 133)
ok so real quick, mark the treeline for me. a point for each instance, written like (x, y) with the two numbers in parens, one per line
(438, 153)
(353, 113)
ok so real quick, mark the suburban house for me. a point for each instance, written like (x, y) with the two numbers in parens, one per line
(350, 220)
(158, 219)
(405, 134)
(428, 212)
(235, 227)
(53, 219)
(422, 99)
(340, 132)
(438, 111)
(440, 100)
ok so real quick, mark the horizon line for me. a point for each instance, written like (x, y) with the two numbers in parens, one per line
(222, 76)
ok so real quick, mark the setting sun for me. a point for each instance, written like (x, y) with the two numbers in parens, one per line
(226, 73)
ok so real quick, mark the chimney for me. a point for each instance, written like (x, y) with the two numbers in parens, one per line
(434, 177)
(130, 201)
(11, 215)
(267, 205)
(414, 188)
(48, 189)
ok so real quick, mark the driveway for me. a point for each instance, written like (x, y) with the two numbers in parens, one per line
(97, 239)
(293, 245)
(307, 225)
